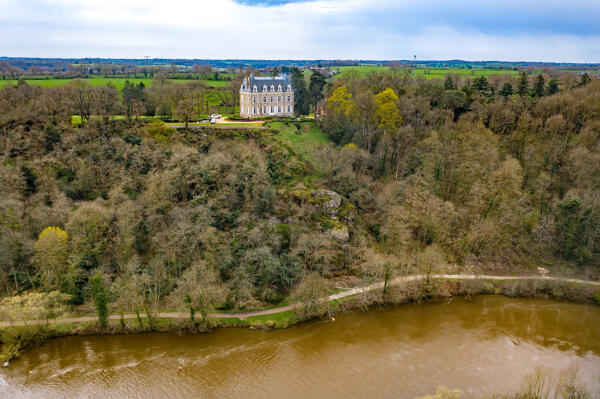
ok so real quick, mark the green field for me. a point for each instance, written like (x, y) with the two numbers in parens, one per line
(306, 140)
(428, 73)
(117, 82)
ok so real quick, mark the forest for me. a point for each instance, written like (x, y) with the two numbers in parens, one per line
(493, 174)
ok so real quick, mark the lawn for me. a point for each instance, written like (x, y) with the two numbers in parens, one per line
(306, 139)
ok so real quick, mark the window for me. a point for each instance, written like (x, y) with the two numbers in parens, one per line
(265, 88)
(254, 100)
(254, 110)
(289, 109)
(264, 99)
(255, 89)
(289, 88)
(272, 88)
(278, 99)
(272, 99)
(264, 110)
(272, 109)
(289, 98)
(279, 88)
(247, 110)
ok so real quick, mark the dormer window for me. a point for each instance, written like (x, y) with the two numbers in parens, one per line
(265, 88)
(255, 89)
(279, 88)
(289, 88)
(272, 88)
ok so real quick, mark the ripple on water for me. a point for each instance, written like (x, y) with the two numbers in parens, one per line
(482, 347)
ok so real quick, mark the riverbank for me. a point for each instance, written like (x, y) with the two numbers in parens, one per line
(19, 337)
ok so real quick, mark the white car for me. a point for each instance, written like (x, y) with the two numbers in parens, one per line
(215, 116)
(213, 120)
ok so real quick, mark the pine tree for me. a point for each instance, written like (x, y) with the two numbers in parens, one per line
(523, 87)
(315, 88)
(480, 84)
(539, 85)
(449, 84)
(507, 90)
(552, 87)
(300, 92)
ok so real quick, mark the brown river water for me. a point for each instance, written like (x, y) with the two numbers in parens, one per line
(483, 346)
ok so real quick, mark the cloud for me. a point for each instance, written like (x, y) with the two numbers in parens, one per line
(292, 29)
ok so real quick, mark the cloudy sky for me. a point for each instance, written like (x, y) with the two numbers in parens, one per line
(511, 30)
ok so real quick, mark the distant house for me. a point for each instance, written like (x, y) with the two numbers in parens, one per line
(266, 96)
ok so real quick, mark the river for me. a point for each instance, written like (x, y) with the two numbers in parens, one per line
(482, 346)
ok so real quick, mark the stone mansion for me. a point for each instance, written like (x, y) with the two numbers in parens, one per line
(266, 96)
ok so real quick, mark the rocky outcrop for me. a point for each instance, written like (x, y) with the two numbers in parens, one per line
(340, 233)
(329, 201)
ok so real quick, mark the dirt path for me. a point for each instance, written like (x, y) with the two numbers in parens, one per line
(339, 295)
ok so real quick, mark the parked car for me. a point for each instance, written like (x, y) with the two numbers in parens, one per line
(215, 116)
(213, 120)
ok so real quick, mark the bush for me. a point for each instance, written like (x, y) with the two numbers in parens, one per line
(100, 298)
(159, 131)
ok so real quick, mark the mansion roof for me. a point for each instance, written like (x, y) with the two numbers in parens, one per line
(259, 84)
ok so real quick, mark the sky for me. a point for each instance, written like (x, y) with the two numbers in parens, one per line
(505, 30)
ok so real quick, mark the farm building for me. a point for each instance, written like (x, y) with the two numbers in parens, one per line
(266, 96)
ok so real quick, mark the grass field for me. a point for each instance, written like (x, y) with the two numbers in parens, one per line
(118, 82)
(429, 73)
(304, 140)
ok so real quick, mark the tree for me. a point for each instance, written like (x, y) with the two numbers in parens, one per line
(33, 306)
(387, 115)
(584, 80)
(274, 72)
(234, 89)
(315, 88)
(133, 95)
(449, 84)
(507, 90)
(539, 86)
(88, 228)
(100, 298)
(185, 110)
(200, 289)
(340, 101)
(301, 100)
(523, 86)
(480, 84)
(309, 292)
(576, 229)
(106, 101)
(82, 99)
(51, 253)
(552, 87)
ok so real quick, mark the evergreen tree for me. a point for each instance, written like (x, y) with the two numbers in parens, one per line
(315, 88)
(480, 84)
(538, 86)
(300, 92)
(552, 87)
(507, 90)
(585, 79)
(449, 84)
(523, 87)
(132, 93)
